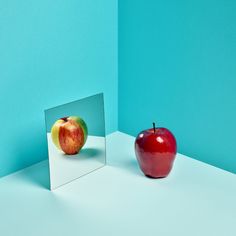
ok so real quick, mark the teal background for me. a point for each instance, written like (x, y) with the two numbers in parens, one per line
(90, 109)
(177, 67)
(51, 53)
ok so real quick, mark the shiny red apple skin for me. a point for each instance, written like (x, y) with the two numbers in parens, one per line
(71, 137)
(69, 134)
(155, 151)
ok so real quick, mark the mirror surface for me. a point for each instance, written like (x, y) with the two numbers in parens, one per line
(76, 139)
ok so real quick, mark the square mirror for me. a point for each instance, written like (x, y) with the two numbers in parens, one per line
(76, 139)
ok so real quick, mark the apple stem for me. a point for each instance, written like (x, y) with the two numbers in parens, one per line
(64, 118)
(154, 127)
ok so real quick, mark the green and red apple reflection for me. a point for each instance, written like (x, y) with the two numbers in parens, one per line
(69, 134)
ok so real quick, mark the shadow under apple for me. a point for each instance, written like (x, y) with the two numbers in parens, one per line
(84, 154)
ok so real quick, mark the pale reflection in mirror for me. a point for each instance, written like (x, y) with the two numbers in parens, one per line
(76, 139)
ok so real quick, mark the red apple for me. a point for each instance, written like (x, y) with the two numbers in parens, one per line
(69, 134)
(155, 150)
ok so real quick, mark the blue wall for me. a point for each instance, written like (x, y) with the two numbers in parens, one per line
(51, 52)
(177, 66)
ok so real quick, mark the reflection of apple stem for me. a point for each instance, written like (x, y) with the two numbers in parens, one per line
(154, 128)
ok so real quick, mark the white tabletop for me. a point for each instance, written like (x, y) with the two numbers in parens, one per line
(65, 168)
(195, 199)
